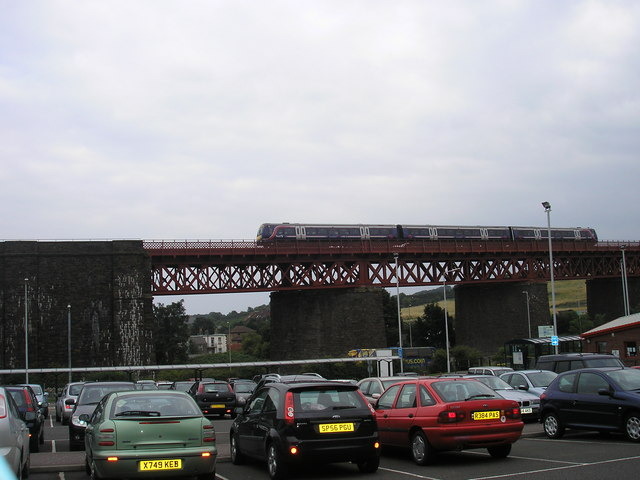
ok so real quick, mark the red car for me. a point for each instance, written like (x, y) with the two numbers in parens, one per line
(438, 414)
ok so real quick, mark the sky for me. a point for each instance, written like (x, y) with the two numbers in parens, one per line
(202, 119)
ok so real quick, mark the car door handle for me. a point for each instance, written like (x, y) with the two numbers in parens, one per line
(410, 415)
(385, 415)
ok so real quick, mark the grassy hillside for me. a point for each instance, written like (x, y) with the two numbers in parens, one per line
(570, 295)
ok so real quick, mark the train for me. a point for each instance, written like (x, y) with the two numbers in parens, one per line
(273, 232)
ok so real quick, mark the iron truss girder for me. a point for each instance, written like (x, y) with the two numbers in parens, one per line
(204, 273)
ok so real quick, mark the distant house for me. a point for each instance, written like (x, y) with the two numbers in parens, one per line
(216, 343)
(237, 333)
(619, 337)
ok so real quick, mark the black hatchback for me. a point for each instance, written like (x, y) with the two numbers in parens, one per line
(295, 423)
(602, 399)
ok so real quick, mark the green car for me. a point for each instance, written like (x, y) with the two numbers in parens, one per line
(149, 434)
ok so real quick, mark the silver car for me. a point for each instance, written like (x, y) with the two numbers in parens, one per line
(529, 403)
(66, 401)
(532, 381)
(14, 436)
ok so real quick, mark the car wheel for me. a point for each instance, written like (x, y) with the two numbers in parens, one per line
(24, 472)
(34, 445)
(237, 458)
(552, 426)
(421, 452)
(632, 427)
(369, 465)
(500, 451)
(275, 463)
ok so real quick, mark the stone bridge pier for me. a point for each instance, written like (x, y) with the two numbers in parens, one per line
(489, 315)
(325, 323)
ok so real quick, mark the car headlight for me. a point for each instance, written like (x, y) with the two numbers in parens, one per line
(75, 420)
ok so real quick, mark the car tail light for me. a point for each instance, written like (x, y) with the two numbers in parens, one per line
(3, 406)
(208, 433)
(106, 437)
(27, 397)
(512, 413)
(288, 408)
(449, 416)
(543, 396)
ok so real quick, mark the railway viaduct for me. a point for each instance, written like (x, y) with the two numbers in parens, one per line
(326, 297)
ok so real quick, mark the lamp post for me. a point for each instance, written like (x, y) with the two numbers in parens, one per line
(547, 208)
(528, 312)
(625, 285)
(69, 338)
(229, 343)
(446, 316)
(26, 331)
(395, 256)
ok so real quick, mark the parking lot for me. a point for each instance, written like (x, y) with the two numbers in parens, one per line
(579, 455)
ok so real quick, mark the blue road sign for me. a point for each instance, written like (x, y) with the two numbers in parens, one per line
(554, 340)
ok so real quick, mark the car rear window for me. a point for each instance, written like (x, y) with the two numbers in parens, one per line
(153, 406)
(327, 399)
(92, 394)
(19, 398)
(457, 391)
(37, 389)
(215, 387)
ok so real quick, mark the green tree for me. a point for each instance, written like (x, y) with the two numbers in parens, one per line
(464, 357)
(170, 333)
(203, 325)
(429, 330)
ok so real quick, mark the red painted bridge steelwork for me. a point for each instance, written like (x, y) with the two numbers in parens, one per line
(195, 266)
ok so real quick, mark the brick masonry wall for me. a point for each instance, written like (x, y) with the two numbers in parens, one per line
(616, 341)
(325, 323)
(108, 287)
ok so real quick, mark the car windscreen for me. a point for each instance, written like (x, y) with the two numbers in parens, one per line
(457, 391)
(92, 394)
(494, 383)
(326, 399)
(243, 387)
(628, 379)
(75, 389)
(153, 405)
(541, 379)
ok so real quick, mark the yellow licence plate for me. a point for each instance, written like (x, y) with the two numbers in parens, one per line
(490, 415)
(217, 405)
(336, 427)
(151, 465)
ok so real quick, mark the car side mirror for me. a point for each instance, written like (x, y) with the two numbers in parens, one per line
(605, 392)
(523, 387)
(375, 395)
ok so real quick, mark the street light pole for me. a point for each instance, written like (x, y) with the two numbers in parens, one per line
(446, 316)
(395, 256)
(528, 312)
(229, 344)
(547, 208)
(69, 338)
(625, 285)
(26, 331)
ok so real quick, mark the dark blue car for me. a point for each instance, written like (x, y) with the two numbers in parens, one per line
(601, 399)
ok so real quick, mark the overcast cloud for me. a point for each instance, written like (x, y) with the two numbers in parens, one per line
(203, 119)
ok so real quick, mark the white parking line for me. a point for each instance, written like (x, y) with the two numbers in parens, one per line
(61, 476)
(53, 446)
(409, 474)
(577, 465)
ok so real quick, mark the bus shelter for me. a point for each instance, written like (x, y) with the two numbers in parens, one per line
(522, 353)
